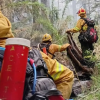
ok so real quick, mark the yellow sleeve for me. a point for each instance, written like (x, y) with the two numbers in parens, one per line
(62, 76)
(78, 26)
(63, 47)
(58, 48)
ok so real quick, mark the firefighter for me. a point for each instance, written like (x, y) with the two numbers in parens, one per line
(51, 48)
(81, 27)
(62, 76)
(5, 32)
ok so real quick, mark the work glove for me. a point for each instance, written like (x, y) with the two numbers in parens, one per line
(68, 31)
(70, 47)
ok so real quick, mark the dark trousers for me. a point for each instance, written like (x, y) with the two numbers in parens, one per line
(87, 49)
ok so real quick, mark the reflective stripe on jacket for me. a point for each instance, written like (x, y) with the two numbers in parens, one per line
(58, 71)
(63, 77)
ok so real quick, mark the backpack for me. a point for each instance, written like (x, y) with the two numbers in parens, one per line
(91, 34)
(46, 46)
(44, 82)
(45, 88)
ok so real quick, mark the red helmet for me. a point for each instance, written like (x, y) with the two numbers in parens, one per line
(81, 11)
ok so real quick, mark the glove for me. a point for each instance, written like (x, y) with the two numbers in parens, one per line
(68, 31)
(70, 47)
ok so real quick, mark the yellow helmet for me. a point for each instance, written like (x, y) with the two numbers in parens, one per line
(46, 37)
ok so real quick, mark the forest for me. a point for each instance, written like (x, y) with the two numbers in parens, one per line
(31, 19)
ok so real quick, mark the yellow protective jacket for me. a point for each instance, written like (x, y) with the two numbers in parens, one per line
(5, 29)
(57, 48)
(62, 76)
(78, 26)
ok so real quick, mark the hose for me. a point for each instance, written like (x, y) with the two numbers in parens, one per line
(2, 48)
(34, 83)
(35, 75)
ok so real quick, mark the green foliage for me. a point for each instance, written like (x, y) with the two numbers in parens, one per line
(90, 55)
(69, 18)
(65, 7)
(48, 25)
(94, 93)
(54, 14)
(39, 18)
(51, 29)
(33, 7)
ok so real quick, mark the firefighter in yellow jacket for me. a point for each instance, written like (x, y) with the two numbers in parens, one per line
(81, 27)
(5, 29)
(51, 48)
(62, 76)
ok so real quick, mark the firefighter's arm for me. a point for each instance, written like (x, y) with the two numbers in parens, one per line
(77, 28)
(63, 47)
(59, 48)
